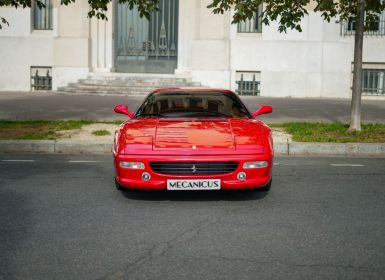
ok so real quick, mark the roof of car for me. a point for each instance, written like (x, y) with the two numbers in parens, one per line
(192, 89)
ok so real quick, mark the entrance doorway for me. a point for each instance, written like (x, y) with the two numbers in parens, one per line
(147, 45)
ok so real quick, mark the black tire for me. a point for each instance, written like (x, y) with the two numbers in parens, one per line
(118, 186)
(267, 187)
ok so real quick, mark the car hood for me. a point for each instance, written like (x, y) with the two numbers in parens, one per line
(193, 136)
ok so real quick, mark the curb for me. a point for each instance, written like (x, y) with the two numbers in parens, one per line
(103, 147)
(339, 149)
(82, 147)
(55, 146)
(27, 146)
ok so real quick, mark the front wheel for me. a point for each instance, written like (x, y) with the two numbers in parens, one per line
(118, 186)
(267, 187)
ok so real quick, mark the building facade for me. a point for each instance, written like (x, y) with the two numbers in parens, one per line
(58, 45)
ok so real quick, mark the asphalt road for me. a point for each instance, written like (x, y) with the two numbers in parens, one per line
(52, 106)
(61, 218)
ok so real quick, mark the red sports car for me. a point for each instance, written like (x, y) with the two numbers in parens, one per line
(193, 139)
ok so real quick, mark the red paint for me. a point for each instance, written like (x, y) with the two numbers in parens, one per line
(193, 139)
(123, 109)
(264, 109)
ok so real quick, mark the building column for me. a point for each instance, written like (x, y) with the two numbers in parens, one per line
(70, 43)
(186, 23)
(102, 42)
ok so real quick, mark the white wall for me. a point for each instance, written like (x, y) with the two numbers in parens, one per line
(65, 48)
(71, 44)
(203, 44)
(314, 63)
(21, 48)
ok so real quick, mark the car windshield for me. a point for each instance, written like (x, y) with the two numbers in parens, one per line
(193, 104)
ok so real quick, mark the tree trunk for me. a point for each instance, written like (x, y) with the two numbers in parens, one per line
(355, 109)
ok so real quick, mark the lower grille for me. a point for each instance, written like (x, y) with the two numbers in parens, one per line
(194, 168)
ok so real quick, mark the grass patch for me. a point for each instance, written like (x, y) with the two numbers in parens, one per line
(302, 132)
(118, 122)
(101, 132)
(334, 132)
(37, 130)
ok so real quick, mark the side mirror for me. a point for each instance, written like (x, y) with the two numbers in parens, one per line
(264, 109)
(123, 109)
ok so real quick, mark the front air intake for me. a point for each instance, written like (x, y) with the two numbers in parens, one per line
(194, 168)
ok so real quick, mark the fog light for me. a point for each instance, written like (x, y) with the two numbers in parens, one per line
(255, 164)
(241, 176)
(132, 164)
(146, 176)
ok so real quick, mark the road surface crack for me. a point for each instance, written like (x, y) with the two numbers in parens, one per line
(159, 249)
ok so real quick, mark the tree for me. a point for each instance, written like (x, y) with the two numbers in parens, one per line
(288, 13)
(98, 8)
(355, 108)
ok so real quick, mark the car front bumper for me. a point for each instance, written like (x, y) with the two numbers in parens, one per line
(132, 178)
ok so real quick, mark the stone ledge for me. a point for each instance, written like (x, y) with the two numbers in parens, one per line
(281, 148)
(82, 147)
(346, 149)
(310, 148)
(27, 146)
(365, 148)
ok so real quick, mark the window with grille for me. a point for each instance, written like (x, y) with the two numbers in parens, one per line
(374, 27)
(248, 82)
(373, 82)
(42, 17)
(41, 78)
(253, 25)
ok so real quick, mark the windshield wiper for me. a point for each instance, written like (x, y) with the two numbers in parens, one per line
(206, 114)
(151, 115)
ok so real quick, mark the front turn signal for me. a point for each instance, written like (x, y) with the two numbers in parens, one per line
(132, 164)
(255, 164)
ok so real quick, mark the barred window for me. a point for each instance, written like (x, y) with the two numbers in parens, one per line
(41, 78)
(42, 17)
(253, 25)
(375, 27)
(373, 81)
(248, 82)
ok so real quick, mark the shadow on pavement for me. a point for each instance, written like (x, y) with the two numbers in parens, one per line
(15, 225)
(194, 195)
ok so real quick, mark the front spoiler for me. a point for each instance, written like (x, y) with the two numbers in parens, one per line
(225, 185)
(256, 178)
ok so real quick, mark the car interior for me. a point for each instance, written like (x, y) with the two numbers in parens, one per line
(203, 103)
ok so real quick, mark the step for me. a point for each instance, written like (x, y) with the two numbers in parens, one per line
(127, 84)
(139, 86)
(136, 83)
(106, 89)
(114, 75)
(109, 88)
(122, 92)
(107, 78)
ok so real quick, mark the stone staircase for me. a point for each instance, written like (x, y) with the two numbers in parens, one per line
(126, 83)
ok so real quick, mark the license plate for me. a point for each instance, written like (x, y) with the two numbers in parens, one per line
(187, 185)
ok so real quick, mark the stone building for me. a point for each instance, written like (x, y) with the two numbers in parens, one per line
(185, 44)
